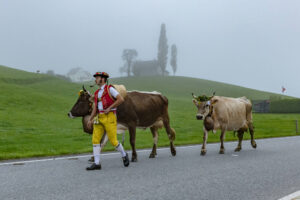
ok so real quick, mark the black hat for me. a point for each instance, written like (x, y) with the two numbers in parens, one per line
(102, 74)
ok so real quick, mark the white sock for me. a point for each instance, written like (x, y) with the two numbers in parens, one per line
(120, 148)
(96, 152)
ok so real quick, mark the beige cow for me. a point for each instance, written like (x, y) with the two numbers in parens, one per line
(225, 114)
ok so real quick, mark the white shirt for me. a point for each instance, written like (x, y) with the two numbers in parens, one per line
(112, 91)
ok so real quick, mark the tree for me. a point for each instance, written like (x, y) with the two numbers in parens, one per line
(173, 60)
(128, 56)
(162, 55)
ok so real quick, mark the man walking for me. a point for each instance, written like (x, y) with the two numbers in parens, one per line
(103, 119)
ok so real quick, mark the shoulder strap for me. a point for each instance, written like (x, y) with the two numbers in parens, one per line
(108, 87)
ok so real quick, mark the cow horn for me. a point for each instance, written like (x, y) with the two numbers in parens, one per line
(83, 88)
(194, 96)
(212, 95)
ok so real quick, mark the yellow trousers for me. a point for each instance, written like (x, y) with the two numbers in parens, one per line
(106, 123)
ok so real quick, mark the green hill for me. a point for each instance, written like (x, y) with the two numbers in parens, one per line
(33, 115)
(182, 87)
(34, 107)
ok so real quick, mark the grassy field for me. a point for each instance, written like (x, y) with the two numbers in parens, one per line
(34, 107)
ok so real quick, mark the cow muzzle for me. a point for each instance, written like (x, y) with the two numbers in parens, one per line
(70, 115)
(199, 117)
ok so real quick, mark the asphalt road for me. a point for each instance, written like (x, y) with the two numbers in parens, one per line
(269, 172)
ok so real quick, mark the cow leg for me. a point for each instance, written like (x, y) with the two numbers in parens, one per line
(104, 140)
(203, 149)
(171, 134)
(251, 129)
(132, 134)
(222, 149)
(240, 136)
(155, 139)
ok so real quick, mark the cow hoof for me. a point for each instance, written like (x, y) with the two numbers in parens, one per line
(91, 159)
(222, 151)
(238, 149)
(254, 144)
(173, 152)
(152, 155)
(203, 152)
(133, 159)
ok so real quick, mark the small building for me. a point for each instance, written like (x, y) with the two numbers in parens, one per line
(261, 106)
(79, 75)
(147, 68)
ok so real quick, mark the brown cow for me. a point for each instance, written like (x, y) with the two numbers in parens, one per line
(226, 114)
(139, 110)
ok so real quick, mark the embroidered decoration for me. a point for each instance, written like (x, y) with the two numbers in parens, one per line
(203, 98)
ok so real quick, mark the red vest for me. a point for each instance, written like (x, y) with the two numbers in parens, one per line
(106, 98)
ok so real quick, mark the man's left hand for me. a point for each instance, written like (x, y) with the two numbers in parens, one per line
(107, 110)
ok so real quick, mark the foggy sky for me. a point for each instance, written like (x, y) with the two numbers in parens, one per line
(254, 43)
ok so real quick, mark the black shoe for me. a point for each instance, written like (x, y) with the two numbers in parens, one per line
(94, 167)
(126, 160)
(92, 159)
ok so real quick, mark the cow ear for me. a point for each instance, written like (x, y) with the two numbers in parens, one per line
(91, 99)
(195, 102)
(214, 101)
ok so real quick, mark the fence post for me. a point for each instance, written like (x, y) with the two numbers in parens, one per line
(297, 131)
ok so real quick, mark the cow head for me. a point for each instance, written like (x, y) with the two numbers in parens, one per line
(204, 105)
(83, 105)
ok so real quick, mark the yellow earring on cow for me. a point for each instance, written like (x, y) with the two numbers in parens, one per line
(80, 92)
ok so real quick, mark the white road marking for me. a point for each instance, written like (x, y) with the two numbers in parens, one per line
(84, 156)
(116, 153)
(293, 196)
